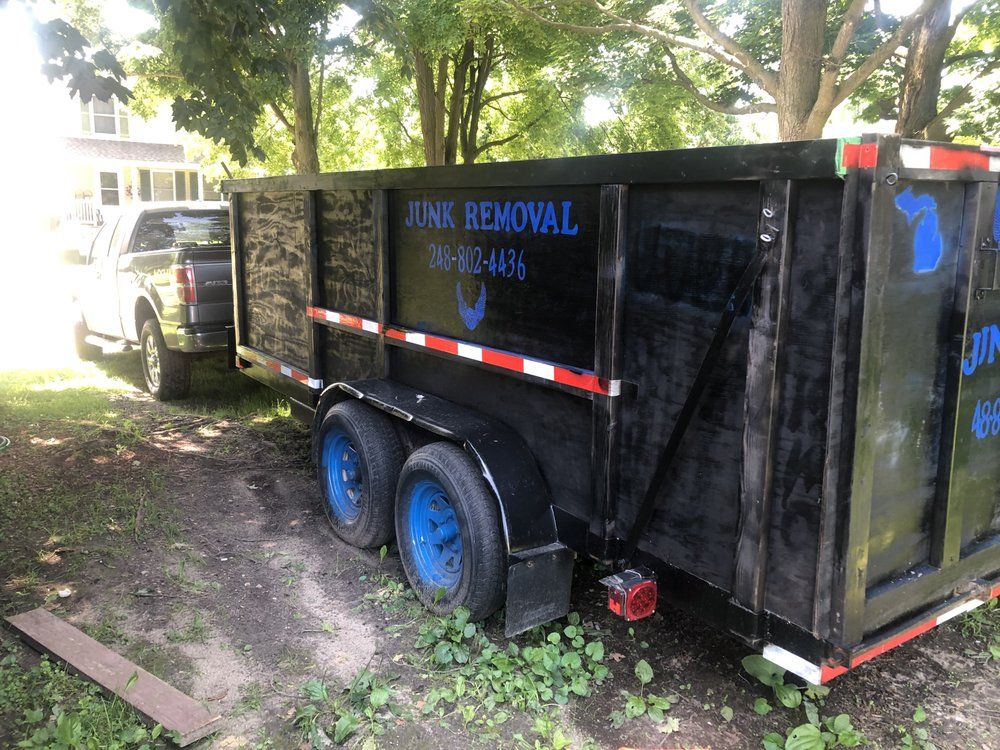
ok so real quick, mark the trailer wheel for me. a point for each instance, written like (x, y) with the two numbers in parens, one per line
(359, 462)
(448, 532)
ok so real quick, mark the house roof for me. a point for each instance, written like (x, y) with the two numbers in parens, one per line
(123, 150)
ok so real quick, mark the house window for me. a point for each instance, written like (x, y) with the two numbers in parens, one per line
(168, 186)
(109, 189)
(163, 186)
(103, 118)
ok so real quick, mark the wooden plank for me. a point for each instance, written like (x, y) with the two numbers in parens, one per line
(152, 698)
(768, 325)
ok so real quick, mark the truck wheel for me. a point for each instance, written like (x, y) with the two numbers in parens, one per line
(86, 351)
(359, 461)
(448, 531)
(167, 373)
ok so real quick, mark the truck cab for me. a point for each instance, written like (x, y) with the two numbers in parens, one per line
(160, 278)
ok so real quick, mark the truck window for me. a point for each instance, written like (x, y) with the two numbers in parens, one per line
(102, 241)
(174, 230)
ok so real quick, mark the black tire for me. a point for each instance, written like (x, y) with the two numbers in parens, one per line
(482, 580)
(84, 350)
(167, 373)
(374, 439)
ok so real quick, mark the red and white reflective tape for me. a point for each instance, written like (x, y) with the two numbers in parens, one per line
(818, 674)
(985, 159)
(280, 367)
(581, 379)
(343, 319)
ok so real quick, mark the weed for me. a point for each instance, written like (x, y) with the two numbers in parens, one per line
(196, 631)
(817, 733)
(392, 595)
(46, 707)
(983, 625)
(365, 706)
(481, 679)
(251, 699)
(641, 704)
(183, 580)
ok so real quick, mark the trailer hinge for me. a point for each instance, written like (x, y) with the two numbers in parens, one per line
(990, 269)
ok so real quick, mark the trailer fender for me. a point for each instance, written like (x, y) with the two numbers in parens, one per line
(539, 566)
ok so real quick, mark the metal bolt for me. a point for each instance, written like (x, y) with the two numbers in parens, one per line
(891, 178)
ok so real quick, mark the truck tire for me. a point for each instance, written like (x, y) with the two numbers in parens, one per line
(167, 373)
(359, 461)
(448, 532)
(85, 351)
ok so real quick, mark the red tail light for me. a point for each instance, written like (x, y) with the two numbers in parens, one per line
(632, 593)
(184, 285)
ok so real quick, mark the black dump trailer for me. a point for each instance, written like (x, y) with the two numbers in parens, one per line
(760, 382)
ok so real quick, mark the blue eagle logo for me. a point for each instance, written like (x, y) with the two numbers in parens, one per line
(471, 315)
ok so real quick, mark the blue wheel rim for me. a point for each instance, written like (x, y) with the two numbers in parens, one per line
(343, 475)
(435, 535)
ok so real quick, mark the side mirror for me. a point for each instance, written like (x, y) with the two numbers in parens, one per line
(71, 256)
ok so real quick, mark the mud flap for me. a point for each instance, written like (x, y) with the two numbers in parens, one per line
(538, 587)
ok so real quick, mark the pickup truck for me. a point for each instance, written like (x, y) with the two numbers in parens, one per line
(159, 278)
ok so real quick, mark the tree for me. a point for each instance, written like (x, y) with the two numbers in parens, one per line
(801, 69)
(469, 62)
(89, 71)
(229, 62)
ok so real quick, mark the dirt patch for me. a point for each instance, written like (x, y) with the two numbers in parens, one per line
(234, 589)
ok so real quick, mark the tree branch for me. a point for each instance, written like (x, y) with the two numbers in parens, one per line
(963, 96)
(280, 115)
(763, 77)
(875, 60)
(319, 93)
(685, 81)
(620, 23)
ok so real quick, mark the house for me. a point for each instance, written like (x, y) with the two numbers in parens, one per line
(111, 159)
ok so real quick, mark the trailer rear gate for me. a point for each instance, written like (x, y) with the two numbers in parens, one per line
(839, 483)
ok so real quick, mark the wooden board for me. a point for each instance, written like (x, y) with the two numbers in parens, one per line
(154, 699)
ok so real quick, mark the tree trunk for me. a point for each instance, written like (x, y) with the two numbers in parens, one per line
(921, 85)
(427, 108)
(803, 28)
(305, 157)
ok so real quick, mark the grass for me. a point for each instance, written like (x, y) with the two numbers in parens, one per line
(43, 706)
(74, 483)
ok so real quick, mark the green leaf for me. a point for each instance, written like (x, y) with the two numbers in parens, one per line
(773, 741)
(553, 638)
(33, 715)
(727, 713)
(765, 671)
(840, 723)
(788, 695)
(439, 593)
(812, 713)
(805, 737)
(595, 650)
(920, 715)
(442, 653)
(382, 552)
(655, 713)
(635, 706)
(344, 727)
(379, 697)
(643, 671)
(762, 707)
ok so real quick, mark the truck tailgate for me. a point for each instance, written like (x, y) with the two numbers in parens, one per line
(214, 285)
